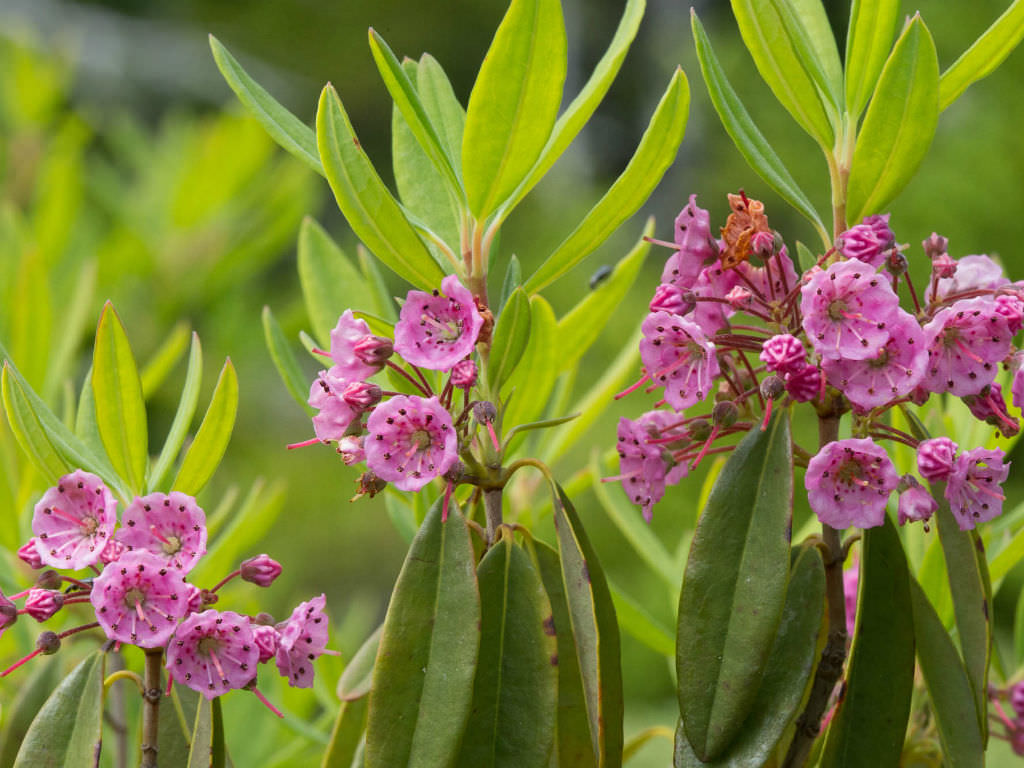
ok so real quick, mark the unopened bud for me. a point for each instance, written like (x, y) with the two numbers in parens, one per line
(699, 430)
(48, 643)
(943, 265)
(935, 245)
(724, 413)
(195, 599)
(263, 618)
(49, 579)
(361, 395)
(8, 612)
(260, 570)
(485, 412)
(464, 374)
(763, 244)
(896, 262)
(739, 297)
(373, 350)
(208, 597)
(41, 604)
(668, 298)
(455, 473)
(772, 387)
(369, 485)
(30, 555)
(267, 639)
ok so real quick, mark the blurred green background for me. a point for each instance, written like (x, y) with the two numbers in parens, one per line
(121, 146)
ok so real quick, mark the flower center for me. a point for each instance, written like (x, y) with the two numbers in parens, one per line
(134, 597)
(420, 439)
(171, 545)
(836, 310)
(882, 360)
(208, 645)
(850, 472)
(89, 525)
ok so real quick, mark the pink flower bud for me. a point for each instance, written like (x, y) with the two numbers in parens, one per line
(464, 374)
(260, 570)
(943, 266)
(49, 579)
(763, 243)
(267, 638)
(668, 298)
(361, 395)
(41, 604)
(915, 502)
(739, 297)
(867, 241)
(784, 354)
(29, 554)
(351, 450)
(804, 384)
(8, 612)
(1017, 699)
(113, 550)
(936, 458)
(194, 600)
(935, 245)
(373, 350)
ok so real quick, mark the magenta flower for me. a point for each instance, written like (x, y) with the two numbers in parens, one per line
(1017, 388)
(464, 374)
(776, 278)
(973, 489)
(410, 442)
(712, 285)
(41, 604)
(965, 342)
(847, 309)
(213, 652)
(668, 298)
(28, 553)
(336, 414)
(936, 458)
(971, 273)
(697, 247)
(261, 570)
(74, 520)
(677, 355)
(915, 502)
(804, 384)
(139, 599)
(646, 467)
(355, 352)
(892, 373)
(267, 639)
(848, 483)
(784, 354)
(437, 330)
(302, 638)
(172, 527)
(990, 406)
(868, 241)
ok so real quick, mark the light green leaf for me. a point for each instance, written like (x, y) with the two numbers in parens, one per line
(513, 279)
(354, 682)
(211, 440)
(380, 302)
(285, 361)
(511, 334)
(201, 743)
(347, 735)
(442, 107)
(28, 431)
(532, 381)
(899, 125)
(514, 102)
(985, 54)
(120, 409)
(284, 127)
(636, 621)
(873, 24)
(182, 417)
(367, 204)
(330, 281)
(175, 722)
(159, 366)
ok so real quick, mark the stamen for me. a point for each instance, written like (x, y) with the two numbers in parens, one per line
(632, 388)
(266, 703)
(304, 443)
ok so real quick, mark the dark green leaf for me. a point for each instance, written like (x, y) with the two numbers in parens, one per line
(873, 24)
(985, 54)
(330, 282)
(346, 737)
(354, 682)
(211, 440)
(201, 743)
(285, 361)
(219, 757)
(182, 417)
(176, 720)
(511, 334)
(734, 588)
(21, 711)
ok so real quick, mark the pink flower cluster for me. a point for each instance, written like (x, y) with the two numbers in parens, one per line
(733, 324)
(140, 594)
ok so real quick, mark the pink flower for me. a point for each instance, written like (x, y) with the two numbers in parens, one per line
(171, 526)
(668, 298)
(915, 502)
(973, 489)
(936, 458)
(965, 344)
(28, 553)
(410, 442)
(892, 373)
(351, 450)
(464, 374)
(804, 384)
(783, 354)
(195, 599)
(303, 637)
(697, 246)
(213, 652)
(8, 612)
(336, 414)
(776, 278)
(868, 241)
(847, 309)
(971, 273)
(713, 284)
(990, 407)
(678, 356)
(261, 570)
(355, 352)
(41, 604)
(645, 467)
(139, 599)
(1017, 388)
(73, 521)
(112, 551)
(848, 483)
(437, 330)
(267, 640)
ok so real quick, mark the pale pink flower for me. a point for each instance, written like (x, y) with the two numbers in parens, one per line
(410, 441)
(437, 330)
(973, 489)
(848, 483)
(971, 273)
(697, 247)
(677, 355)
(74, 520)
(302, 638)
(171, 526)
(335, 413)
(213, 652)
(646, 467)
(915, 502)
(965, 342)
(355, 352)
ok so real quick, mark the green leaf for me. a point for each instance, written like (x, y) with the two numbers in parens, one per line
(880, 673)
(330, 282)
(595, 632)
(21, 711)
(577, 330)
(949, 688)
(1008, 557)
(511, 334)
(816, 31)
(873, 24)
(514, 102)
(354, 682)
(636, 621)
(175, 722)
(201, 744)
(219, 757)
(347, 734)
(899, 125)
(284, 127)
(734, 588)
(984, 56)
(787, 675)
(182, 417)
(285, 361)
(28, 430)
(512, 723)
(513, 279)
(772, 46)
(380, 302)
(159, 367)
(367, 204)
(211, 440)
(68, 728)
(745, 134)
(531, 383)
(442, 107)
(423, 679)
(120, 409)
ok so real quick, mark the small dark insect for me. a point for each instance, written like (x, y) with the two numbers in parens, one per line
(602, 274)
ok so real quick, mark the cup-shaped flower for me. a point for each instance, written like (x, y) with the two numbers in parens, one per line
(646, 466)
(437, 330)
(41, 604)
(678, 356)
(213, 652)
(171, 526)
(139, 599)
(966, 342)
(74, 520)
(410, 441)
(302, 638)
(260, 570)
(973, 489)
(849, 481)
(354, 350)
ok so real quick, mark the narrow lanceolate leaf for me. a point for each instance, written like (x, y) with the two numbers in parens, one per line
(201, 743)
(577, 330)
(595, 632)
(22, 708)
(985, 54)
(120, 408)
(873, 24)
(772, 47)
(175, 723)
(284, 127)
(330, 281)
(653, 156)
(182, 417)
(354, 682)
(285, 361)
(28, 431)
(880, 673)
(211, 440)
(513, 279)
(817, 33)
(899, 125)
(734, 588)
(514, 102)
(952, 698)
(515, 693)
(534, 377)
(787, 675)
(745, 134)
(442, 107)
(67, 730)
(511, 335)
(423, 680)
(367, 204)
(347, 734)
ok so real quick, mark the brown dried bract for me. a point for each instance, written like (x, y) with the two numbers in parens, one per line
(746, 220)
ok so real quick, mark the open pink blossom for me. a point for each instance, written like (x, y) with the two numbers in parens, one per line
(847, 309)
(646, 467)
(171, 526)
(336, 414)
(775, 278)
(971, 273)
(302, 638)
(974, 488)
(712, 285)
(213, 652)
(74, 520)
(410, 441)
(697, 247)
(437, 330)
(139, 599)
(677, 355)
(849, 481)
(348, 342)
(867, 241)
(965, 342)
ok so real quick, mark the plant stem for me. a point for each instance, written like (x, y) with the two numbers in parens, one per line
(492, 508)
(151, 707)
